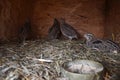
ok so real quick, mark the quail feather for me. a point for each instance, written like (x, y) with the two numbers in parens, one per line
(114, 47)
(101, 45)
(67, 30)
(24, 31)
(54, 32)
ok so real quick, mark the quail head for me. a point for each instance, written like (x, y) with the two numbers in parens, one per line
(25, 30)
(89, 37)
(92, 42)
(54, 32)
(101, 45)
(67, 30)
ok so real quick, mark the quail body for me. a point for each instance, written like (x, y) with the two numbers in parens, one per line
(67, 30)
(101, 45)
(54, 32)
(114, 47)
(24, 31)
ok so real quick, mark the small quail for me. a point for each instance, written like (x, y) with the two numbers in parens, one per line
(54, 32)
(101, 45)
(24, 31)
(115, 47)
(67, 30)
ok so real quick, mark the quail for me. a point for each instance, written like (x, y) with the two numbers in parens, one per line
(101, 45)
(54, 32)
(115, 47)
(67, 30)
(24, 31)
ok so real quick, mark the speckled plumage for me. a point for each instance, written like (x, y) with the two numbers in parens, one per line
(24, 31)
(101, 45)
(67, 30)
(54, 32)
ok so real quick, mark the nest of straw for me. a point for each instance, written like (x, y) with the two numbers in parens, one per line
(41, 59)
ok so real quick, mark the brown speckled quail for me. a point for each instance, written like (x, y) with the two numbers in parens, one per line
(54, 32)
(101, 45)
(24, 31)
(67, 30)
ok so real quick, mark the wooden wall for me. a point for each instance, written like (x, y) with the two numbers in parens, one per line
(100, 17)
(13, 13)
(112, 24)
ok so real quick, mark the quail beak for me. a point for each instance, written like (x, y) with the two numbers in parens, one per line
(85, 36)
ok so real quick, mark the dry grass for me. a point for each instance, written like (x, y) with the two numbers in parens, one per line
(41, 59)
